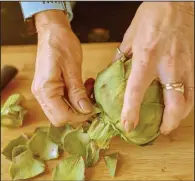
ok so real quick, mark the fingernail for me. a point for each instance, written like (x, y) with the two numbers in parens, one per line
(85, 105)
(129, 126)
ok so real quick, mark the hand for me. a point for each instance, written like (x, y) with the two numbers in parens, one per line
(161, 41)
(58, 70)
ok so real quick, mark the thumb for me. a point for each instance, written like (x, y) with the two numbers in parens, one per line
(78, 97)
(77, 93)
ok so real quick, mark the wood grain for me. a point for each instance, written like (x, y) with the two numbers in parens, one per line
(169, 158)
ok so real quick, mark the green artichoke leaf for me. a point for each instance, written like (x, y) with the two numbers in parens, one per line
(71, 168)
(42, 128)
(12, 112)
(102, 132)
(18, 150)
(109, 89)
(57, 134)
(147, 129)
(12, 100)
(75, 142)
(24, 166)
(111, 163)
(154, 94)
(92, 155)
(109, 92)
(42, 146)
(7, 151)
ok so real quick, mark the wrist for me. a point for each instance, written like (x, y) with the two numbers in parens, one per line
(49, 18)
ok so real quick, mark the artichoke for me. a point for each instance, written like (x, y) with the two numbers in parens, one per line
(109, 92)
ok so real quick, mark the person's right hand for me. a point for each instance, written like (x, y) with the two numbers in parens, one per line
(58, 70)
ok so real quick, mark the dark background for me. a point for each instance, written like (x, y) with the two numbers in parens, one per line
(112, 18)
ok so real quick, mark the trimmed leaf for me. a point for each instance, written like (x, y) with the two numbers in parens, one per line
(42, 146)
(111, 163)
(92, 155)
(7, 151)
(57, 134)
(24, 166)
(12, 113)
(71, 168)
(102, 132)
(75, 142)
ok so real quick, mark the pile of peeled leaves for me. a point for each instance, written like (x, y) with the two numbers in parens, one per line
(29, 154)
(84, 143)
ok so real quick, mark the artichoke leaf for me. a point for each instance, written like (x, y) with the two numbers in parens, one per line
(12, 100)
(147, 129)
(102, 132)
(75, 142)
(12, 113)
(7, 151)
(57, 134)
(42, 128)
(42, 146)
(18, 150)
(111, 163)
(109, 89)
(92, 155)
(71, 168)
(24, 166)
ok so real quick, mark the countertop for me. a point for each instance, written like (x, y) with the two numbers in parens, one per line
(169, 158)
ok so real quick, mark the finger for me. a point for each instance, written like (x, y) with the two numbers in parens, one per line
(175, 104)
(171, 70)
(139, 80)
(189, 92)
(126, 45)
(174, 110)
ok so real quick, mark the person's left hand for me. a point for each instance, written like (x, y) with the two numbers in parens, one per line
(161, 40)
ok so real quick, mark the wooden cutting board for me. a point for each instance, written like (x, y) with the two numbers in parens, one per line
(169, 158)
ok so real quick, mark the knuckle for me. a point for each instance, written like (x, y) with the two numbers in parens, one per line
(77, 90)
(144, 63)
(134, 93)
